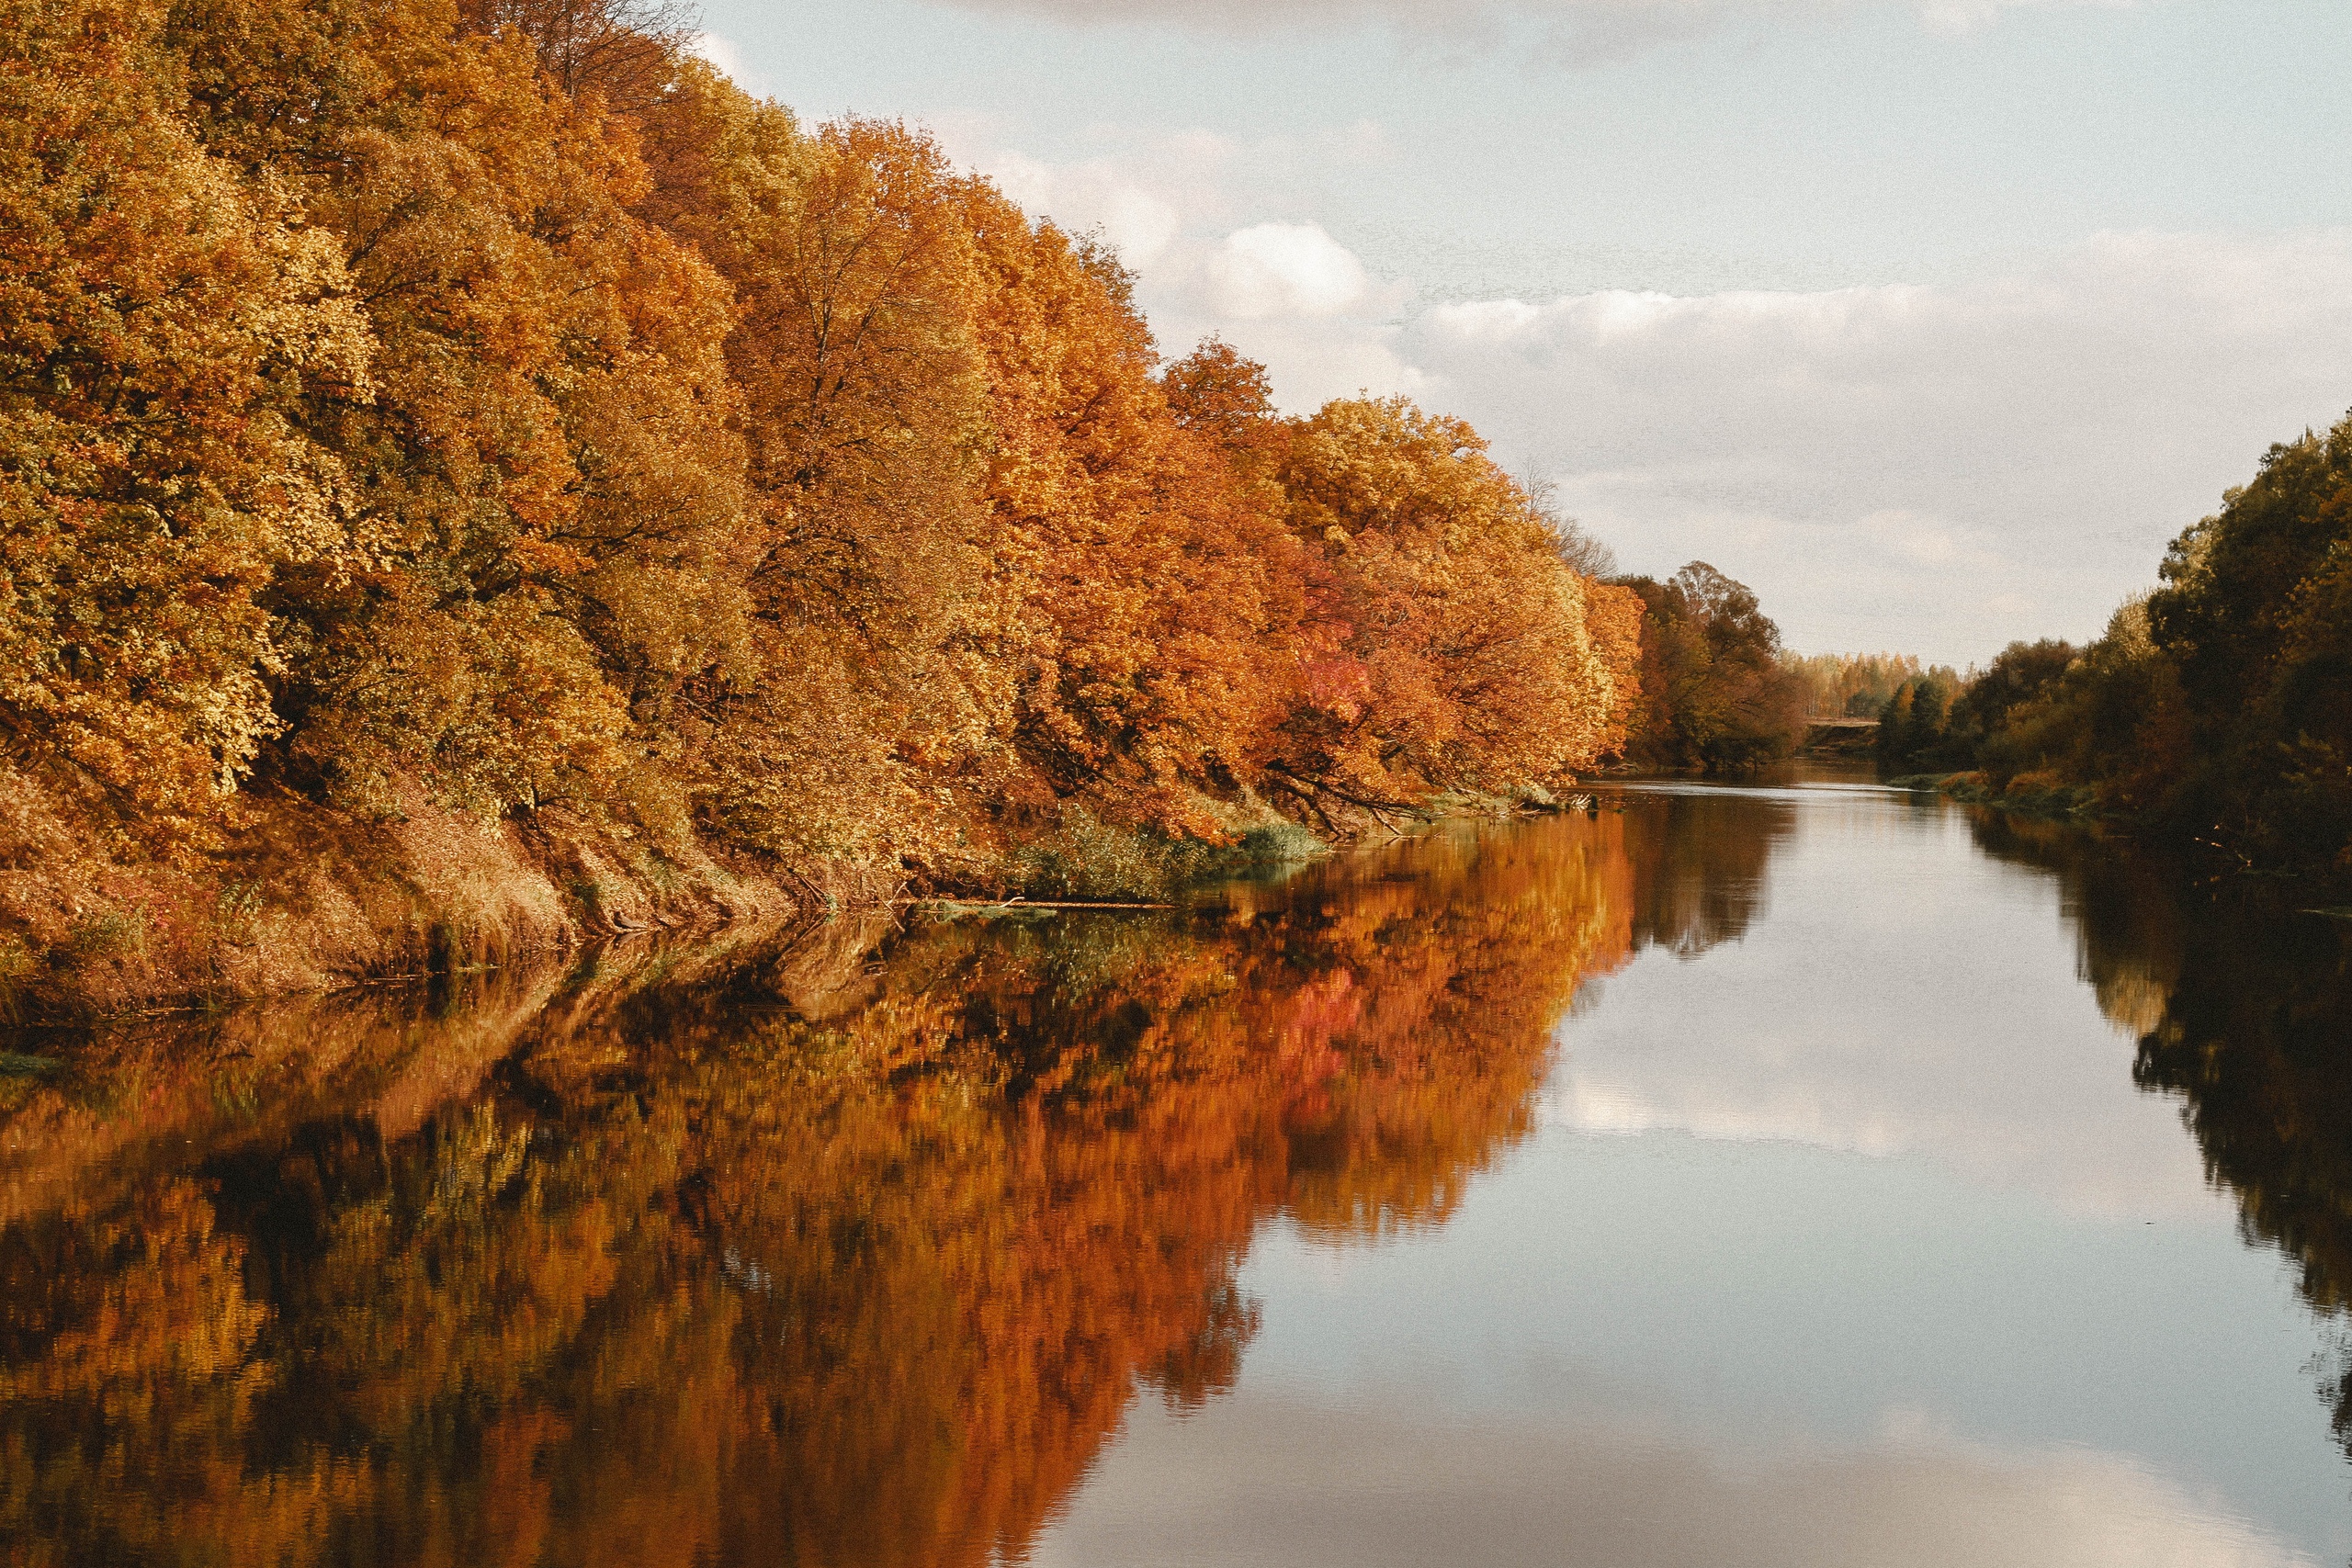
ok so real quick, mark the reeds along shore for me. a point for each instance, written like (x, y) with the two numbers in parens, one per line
(471, 477)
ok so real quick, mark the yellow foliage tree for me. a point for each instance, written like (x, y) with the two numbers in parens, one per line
(480, 405)
(1453, 651)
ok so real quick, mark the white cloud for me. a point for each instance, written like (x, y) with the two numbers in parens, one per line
(720, 52)
(1284, 269)
(1888, 465)
(1207, 224)
(1954, 18)
(1932, 468)
(1097, 196)
(1291, 296)
(1362, 143)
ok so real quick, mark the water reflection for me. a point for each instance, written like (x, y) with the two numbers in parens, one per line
(1374, 1486)
(938, 1246)
(843, 1257)
(2132, 909)
(1932, 1284)
(2241, 1003)
(1908, 996)
(1697, 858)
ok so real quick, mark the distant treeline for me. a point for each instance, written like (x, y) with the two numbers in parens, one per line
(420, 419)
(1850, 686)
(2217, 706)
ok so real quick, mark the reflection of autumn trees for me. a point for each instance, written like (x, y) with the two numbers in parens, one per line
(1697, 861)
(2130, 917)
(700, 1273)
(2242, 1006)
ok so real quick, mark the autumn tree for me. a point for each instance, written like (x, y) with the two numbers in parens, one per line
(1159, 598)
(547, 466)
(624, 52)
(482, 409)
(1613, 619)
(1714, 694)
(162, 321)
(1224, 398)
(1447, 647)
(869, 718)
(1850, 686)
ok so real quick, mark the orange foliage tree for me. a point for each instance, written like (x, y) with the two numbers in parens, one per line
(1449, 647)
(489, 408)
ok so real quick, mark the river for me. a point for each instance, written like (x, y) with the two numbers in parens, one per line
(1804, 1173)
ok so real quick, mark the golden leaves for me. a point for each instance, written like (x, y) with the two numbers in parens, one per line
(388, 411)
(162, 316)
(1466, 659)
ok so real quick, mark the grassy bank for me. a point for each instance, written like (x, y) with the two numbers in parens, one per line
(2036, 794)
(304, 897)
(307, 898)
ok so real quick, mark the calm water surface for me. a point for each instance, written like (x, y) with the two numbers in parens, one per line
(1806, 1175)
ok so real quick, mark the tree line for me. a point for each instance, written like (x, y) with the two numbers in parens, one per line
(467, 468)
(418, 410)
(2217, 706)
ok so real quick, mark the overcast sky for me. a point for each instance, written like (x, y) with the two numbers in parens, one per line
(1931, 319)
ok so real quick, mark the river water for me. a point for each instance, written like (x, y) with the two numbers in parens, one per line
(1807, 1174)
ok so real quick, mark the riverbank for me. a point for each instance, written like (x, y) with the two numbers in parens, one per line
(302, 897)
(306, 900)
(2326, 888)
(2038, 795)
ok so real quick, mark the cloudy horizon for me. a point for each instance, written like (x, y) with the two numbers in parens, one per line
(1932, 319)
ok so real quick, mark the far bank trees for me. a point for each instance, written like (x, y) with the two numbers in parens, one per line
(2217, 708)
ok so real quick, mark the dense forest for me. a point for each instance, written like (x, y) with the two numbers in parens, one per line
(2217, 708)
(470, 476)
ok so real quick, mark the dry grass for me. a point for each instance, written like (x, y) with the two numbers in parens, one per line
(302, 897)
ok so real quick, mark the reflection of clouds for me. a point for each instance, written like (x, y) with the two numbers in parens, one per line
(1794, 1118)
(1904, 995)
(1258, 1479)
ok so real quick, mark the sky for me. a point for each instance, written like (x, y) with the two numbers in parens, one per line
(1932, 321)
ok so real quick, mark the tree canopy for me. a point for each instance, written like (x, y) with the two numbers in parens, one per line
(490, 407)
